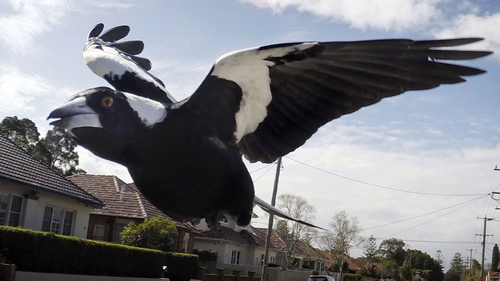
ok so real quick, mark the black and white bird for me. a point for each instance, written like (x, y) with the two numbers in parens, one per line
(260, 103)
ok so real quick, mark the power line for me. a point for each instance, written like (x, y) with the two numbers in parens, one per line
(473, 201)
(372, 227)
(432, 241)
(270, 167)
(381, 186)
(261, 168)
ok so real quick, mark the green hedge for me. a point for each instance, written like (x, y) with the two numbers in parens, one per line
(205, 255)
(181, 266)
(47, 252)
(352, 277)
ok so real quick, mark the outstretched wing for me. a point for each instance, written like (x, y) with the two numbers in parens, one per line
(118, 64)
(270, 100)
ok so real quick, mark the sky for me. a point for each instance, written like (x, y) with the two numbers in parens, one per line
(417, 167)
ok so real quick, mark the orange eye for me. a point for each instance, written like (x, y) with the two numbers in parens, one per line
(107, 101)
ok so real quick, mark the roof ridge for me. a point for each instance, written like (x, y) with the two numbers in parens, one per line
(141, 205)
(46, 169)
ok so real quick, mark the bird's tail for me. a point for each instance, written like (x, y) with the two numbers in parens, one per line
(275, 211)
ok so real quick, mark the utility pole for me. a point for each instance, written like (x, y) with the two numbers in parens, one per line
(466, 267)
(271, 220)
(484, 242)
(470, 262)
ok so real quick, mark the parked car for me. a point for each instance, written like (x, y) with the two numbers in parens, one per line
(321, 278)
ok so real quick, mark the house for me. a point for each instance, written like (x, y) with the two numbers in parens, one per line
(492, 276)
(356, 264)
(36, 197)
(123, 203)
(305, 255)
(237, 247)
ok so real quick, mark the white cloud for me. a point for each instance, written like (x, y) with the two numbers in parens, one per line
(395, 15)
(19, 89)
(98, 166)
(27, 19)
(448, 171)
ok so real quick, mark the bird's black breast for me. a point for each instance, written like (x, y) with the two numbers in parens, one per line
(186, 170)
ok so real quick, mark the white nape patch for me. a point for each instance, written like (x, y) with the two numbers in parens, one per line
(250, 70)
(150, 111)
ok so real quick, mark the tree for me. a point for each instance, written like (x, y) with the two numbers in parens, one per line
(22, 132)
(456, 267)
(343, 237)
(370, 250)
(292, 232)
(392, 249)
(405, 271)
(62, 147)
(425, 264)
(495, 258)
(370, 270)
(56, 150)
(157, 233)
(389, 269)
(439, 257)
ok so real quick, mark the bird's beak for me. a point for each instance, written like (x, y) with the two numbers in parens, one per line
(74, 114)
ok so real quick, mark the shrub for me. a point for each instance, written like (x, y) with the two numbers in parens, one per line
(47, 252)
(352, 277)
(181, 266)
(157, 233)
(205, 255)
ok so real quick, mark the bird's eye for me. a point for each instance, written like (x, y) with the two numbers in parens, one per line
(107, 101)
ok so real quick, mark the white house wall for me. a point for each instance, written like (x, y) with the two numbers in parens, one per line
(33, 210)
(212, 245)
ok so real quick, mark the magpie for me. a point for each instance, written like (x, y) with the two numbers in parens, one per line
(260, 103)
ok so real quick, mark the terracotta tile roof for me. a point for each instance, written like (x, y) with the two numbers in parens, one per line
(241, 237)
(276, 241)
(302, 248)
(19, 166)
(120, 199)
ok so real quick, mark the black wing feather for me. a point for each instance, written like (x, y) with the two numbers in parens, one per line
(311, 86)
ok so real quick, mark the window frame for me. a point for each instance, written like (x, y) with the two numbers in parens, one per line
(96, 226)
(8, 211)
(61, 229)
(236, 257)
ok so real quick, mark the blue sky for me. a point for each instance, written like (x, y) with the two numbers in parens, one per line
(444, 141)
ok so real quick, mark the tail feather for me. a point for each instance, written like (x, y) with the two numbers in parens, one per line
(275, 211)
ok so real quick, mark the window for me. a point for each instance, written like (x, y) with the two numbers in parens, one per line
(273, 260)
(118, 230)
(10, 209)
(235, 257)
(319, 266)
(58, 220)
(99, 232)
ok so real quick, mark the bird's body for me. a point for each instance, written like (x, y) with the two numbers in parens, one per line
(262, 103)
(194, 174)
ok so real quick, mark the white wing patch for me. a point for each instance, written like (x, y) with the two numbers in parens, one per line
(150, 111)
(250, 70)
(106, 61)
(110, 62)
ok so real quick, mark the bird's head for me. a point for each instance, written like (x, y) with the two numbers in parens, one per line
(105, 121)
